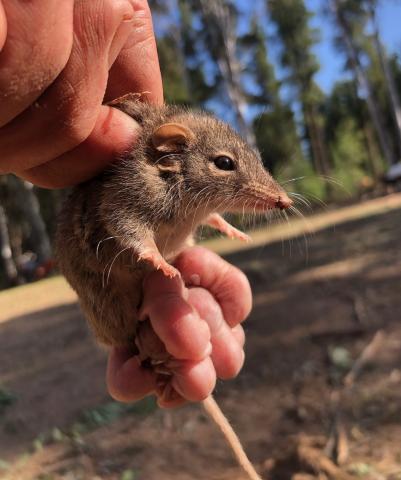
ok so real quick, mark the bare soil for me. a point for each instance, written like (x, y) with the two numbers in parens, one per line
(326, 304)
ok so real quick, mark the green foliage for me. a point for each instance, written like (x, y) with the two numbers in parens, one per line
(92, 419)
(173, 71)
(258, 66)
(4, 465)
(192, 56)
(342, 103)
(292, 20)
(360, 469)
(112, 411)
(128, 474)
(349, 157)
(277, 138)
(7, 399)
(300, 177)
(340, 358)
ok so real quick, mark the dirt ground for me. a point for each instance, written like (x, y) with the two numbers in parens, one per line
(319, 396)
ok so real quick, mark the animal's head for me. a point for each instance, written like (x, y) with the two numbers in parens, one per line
(214, 167)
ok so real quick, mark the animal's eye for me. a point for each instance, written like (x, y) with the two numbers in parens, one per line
(224, 163)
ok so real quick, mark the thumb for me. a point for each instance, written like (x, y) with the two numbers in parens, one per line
(136, 68)
(3, 26)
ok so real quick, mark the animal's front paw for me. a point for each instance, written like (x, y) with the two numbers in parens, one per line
(217, 221)
(235, 233)
(159, 263)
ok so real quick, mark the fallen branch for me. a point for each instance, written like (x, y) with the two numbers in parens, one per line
(366, 357)
(316, 461)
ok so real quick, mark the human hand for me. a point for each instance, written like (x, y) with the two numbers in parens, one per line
(58, 62)
(186, 320)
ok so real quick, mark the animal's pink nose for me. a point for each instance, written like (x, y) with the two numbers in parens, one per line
(283, 201)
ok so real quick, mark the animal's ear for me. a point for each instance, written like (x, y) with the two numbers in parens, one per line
(172, 137)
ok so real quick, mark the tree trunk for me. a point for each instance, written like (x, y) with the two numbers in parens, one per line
(363, 82)
(320, 142)
(314, 151)
(10, 268)
(372, 148)
(395, 104)
(222, 28)
(318, 150)
(29, 204)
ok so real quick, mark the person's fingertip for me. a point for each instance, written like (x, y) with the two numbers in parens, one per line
(156, 283)
(122, 129)
(126, 380)
(3, 26)
(123, 31)
(174, 403)
(239, 335)
(225, 282)
(195, 381)
(137, 68)
(244, 286)
(185, 335)
(228, 356)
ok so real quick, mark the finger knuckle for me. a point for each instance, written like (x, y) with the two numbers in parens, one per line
(232, 366)
(143, 25)
(244, 308)
(35, 55)
(101, 19)
(76, 116)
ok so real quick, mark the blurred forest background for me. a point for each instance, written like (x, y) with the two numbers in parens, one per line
(254, 64)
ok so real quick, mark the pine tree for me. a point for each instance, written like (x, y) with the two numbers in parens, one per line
(274, 125)
(395, 104)
(173, 71)
(351, 18)
(218, 36)
(344, 107)
(292, 21)
(199, 91)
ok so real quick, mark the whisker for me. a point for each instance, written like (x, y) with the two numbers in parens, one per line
(302, 217)
(292, 180)
(112, 263)
(301, 198)
(100, 242)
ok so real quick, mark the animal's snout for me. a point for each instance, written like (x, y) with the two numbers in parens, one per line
(283, 201)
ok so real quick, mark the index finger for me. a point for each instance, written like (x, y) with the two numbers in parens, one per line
(136, 68)
(229, 286)
(185, 335)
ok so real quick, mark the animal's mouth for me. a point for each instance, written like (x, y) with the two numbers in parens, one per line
(281, 201)
(261, 204)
